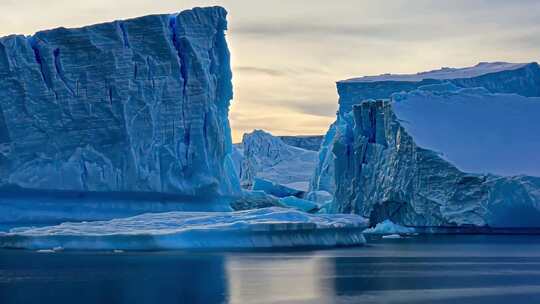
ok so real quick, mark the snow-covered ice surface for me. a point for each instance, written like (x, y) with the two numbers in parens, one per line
(261, 228)
(480, 69)
(496, 77)
(388, 227)
(269, 157)
(476, 131)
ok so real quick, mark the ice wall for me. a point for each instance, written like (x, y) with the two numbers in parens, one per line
(496, 77)
(440, 151)
(130, 106)
(381, 173)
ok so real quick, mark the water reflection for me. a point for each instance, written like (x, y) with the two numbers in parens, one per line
(27, 277)
(465, 269)
(278, 278)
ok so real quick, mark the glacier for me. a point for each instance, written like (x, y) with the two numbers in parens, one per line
(137, 105)
(437, 151)
(261, 228)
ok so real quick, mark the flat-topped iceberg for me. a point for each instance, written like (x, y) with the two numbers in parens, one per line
(138, 105)
(437, 151)
(117, 119)
(262, 228)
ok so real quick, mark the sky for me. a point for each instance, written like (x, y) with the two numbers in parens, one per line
(288, 54)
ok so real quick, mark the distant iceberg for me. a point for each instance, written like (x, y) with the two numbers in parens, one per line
(270, 158)
(261, 228)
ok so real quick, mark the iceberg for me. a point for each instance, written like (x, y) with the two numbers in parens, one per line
(261, 228)
(119, 112)
(496, 77)
(437, 151)
(138, 105)
(267, 157)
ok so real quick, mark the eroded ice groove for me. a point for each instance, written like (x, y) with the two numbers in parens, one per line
(136, 106)
(262, 228)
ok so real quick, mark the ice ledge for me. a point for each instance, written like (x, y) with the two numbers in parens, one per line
(261, 228)
(480, 69)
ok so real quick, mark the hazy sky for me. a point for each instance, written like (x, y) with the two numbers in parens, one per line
(287, 55)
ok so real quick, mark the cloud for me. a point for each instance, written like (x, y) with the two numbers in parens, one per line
(278, 72)
(259, 70)
(310, 107)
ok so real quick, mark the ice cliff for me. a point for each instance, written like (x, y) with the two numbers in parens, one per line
(496, 77)
(439, 151)
(130, 106)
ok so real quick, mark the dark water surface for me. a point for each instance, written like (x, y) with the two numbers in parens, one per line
(438, 269)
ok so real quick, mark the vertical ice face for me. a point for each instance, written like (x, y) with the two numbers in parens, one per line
(139, 105)
(426, 156)
(496, 77)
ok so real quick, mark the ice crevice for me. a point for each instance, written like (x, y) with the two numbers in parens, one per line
(60, 71)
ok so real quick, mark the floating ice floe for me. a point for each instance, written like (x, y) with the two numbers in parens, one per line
(261, 228)
(392, 236)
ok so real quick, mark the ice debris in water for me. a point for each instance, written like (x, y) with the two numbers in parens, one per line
(388, 227)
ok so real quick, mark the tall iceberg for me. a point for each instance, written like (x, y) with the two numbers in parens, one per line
(125, 109)
(446, 148)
